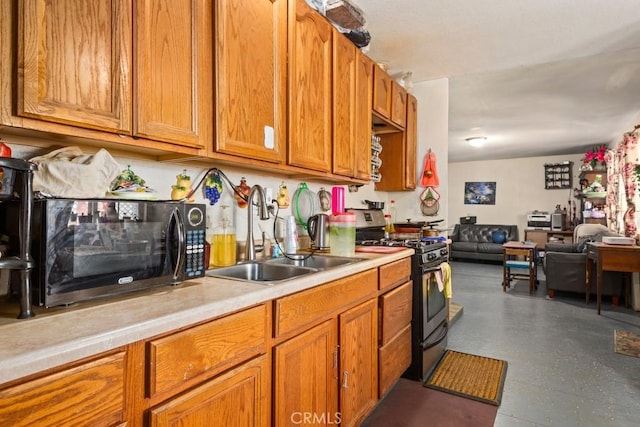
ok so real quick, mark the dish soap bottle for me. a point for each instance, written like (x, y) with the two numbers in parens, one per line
(224, 241)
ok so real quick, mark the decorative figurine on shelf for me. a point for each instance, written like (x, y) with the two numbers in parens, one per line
(213, 188)
(283, 196)
(244, 189)
(182, 188)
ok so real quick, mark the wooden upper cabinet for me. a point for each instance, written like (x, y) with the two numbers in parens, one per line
(398, 104)
(250, 78)
(411, 142)
(344, 95)
(74, 63)
(382, 92)
(310, 101)
(352, 80)
(363, 99)
(173, 71)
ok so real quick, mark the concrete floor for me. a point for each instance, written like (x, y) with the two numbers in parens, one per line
(562, 370)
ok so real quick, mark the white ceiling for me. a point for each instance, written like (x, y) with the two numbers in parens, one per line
(536, 77)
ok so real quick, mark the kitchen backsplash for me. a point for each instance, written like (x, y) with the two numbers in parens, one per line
(160, 176)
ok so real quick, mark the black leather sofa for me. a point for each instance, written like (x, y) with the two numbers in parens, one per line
(476, 241)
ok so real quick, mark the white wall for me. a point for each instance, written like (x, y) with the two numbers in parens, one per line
(519, 189)
(433, 133)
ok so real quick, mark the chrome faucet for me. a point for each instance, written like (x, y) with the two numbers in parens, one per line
(263, 212)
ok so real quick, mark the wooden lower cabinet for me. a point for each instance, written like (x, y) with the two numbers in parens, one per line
(320, 367)
(90, 393)
(394, 333)
(358, 362)
(240, 397)
(328, 374)
(306, 377)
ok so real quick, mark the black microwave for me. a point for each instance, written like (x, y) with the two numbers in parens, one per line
(93, 248)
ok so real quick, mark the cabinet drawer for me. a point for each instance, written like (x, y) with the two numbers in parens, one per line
(207, 348)
(88, 394)
(393, 359)
(298, 310)
(395, 311)
(395, 273)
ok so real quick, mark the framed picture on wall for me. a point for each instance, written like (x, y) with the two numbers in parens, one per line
(480, 193)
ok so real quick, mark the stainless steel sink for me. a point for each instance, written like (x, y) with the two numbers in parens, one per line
(320, 262)
(260, 272)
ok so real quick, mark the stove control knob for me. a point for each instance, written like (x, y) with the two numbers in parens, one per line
(443, 251)
(431, 256)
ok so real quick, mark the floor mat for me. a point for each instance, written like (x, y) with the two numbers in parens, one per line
(409, 404)
(627, 343)
(467, 375)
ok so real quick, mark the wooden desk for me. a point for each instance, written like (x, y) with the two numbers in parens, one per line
(610, 258)
(542, 237)
(526, 250)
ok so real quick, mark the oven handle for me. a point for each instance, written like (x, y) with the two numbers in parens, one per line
(430, 269)
(443, 334)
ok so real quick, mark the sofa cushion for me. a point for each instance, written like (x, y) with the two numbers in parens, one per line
(464, 246)
(490, 248)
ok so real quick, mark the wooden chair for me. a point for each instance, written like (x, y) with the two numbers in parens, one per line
(519, 259)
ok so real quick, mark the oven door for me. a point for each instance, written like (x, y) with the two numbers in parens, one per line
(434, 307)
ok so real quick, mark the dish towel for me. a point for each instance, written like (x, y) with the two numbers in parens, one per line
(68, 172)
(443, 277)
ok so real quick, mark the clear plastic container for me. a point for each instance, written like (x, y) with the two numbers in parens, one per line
(223, 247)
(342, 229)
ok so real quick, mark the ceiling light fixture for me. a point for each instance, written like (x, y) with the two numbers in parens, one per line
(477, 141)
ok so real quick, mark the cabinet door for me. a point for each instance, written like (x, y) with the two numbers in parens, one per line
(74, 63)
(382, 92)
(358, 362)
(310, 108)
(251, 78)
(364, 91)
(410, 143)
(306, 376)
(398, 104)
(173, 71)
(344, 90)
(91, 393)
(240, 397)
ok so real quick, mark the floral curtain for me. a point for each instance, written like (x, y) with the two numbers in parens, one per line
(622, 185)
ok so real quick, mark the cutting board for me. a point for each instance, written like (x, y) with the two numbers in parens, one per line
(379, 249)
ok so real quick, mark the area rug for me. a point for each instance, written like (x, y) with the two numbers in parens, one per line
(467, 375)
(627, 343)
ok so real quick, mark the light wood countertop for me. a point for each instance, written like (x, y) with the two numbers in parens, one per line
(61, 335)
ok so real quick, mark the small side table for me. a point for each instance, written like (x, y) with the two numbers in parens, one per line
(526, 250)
(624, 258)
